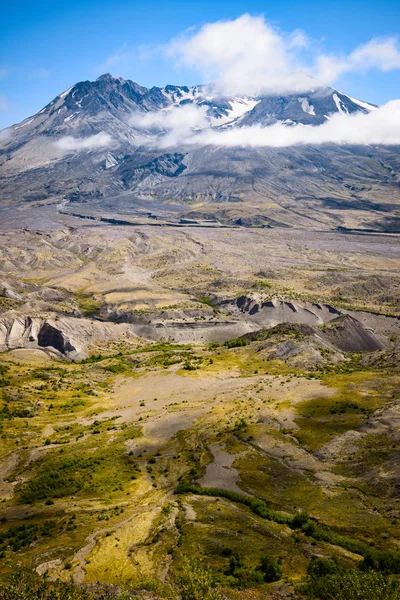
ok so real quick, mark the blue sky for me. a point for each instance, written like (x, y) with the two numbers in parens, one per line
(48, 46)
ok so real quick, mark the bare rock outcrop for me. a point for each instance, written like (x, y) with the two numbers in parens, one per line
(64, 336)
(27, 332)
(268, 313)
(348, 334)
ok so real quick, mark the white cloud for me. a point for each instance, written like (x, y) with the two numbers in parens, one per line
(378, 53)
(92, 142)
(178, 117)
(381, 126)
(248, 55)
(173, 124)
(4, 104)
(119, 57)
(329, 68)
(5, 134)
(245, 55)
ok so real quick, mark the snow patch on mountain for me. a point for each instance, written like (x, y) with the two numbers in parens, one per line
(23, 124)
(238, 108)
(177, 95)
(64, 94)
(70, 117)
(340, 105)
(365, 105)
(306, 106)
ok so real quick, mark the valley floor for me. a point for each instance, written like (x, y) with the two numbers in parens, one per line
(91, 461)
(116, 465)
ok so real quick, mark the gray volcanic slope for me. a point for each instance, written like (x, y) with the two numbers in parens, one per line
(70, 336)
(324, 187)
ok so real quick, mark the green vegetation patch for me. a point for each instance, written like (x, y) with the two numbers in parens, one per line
(60, 477)
(352, 585)
(320, 419)
(20, 536)
(88, 304)
(271, 479)
(206, 300)
(387, 561)
(86, 471)
(238, 546)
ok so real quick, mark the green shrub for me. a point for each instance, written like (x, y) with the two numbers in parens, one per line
(259, 507)
(300, 519)
(29, 586)
(117, 368)
(271, 569)
(196, 582)
(352, 585)
(237, 342)
(235, 564)
(4, 380)
(381, 560)
(206, 300)
(319, 567)
(18, 537)
(188, 366)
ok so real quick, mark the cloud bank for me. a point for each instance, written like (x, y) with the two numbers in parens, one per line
(169, 127)
(93, 142)
(248, 55)
(183, 118)
(188, 126)
(380, 126)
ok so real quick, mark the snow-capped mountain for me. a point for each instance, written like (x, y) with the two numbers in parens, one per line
(92, 141)
(106, 106)
(80, 107)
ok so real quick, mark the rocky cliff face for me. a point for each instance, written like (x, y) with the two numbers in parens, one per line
(63, 336)
(71, 336)
(25, 332)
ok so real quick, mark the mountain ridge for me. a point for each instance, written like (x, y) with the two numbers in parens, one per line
(83, 146)
(108, 92)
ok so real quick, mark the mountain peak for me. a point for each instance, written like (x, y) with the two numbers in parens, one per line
(108, 77)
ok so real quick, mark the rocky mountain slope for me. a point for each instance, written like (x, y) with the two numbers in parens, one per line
(93, 143)
(188, 366)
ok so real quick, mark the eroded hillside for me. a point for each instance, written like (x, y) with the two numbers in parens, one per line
(219, 395)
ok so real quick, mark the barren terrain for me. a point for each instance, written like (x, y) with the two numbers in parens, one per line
(139, 361)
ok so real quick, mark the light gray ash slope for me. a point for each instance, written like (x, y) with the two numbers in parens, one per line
(329, 185)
